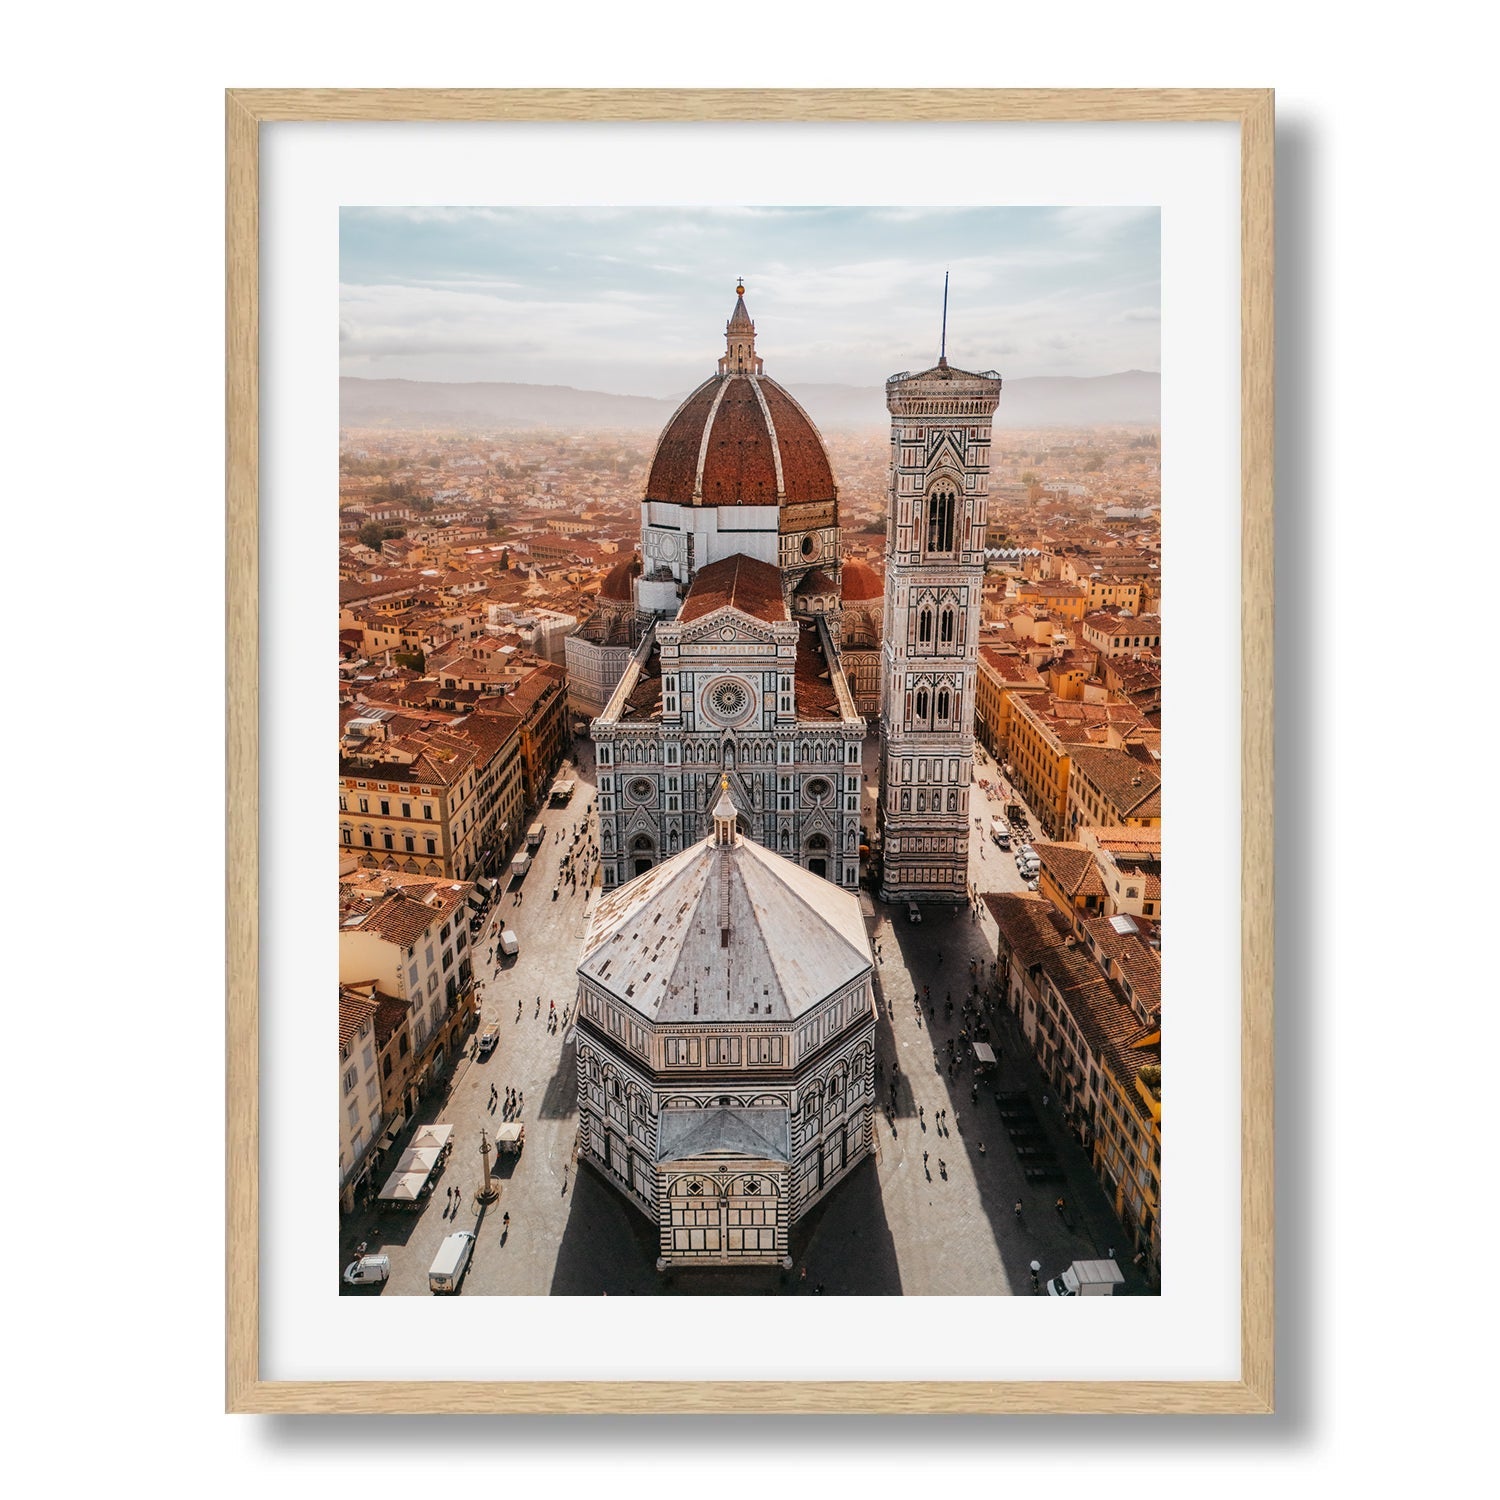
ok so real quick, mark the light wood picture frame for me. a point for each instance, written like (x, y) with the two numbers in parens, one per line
(1252, 111)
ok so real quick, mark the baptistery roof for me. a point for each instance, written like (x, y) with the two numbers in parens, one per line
(740, 438)
(725, 932)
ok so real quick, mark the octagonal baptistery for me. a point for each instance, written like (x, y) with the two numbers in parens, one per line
(726, 1034)
(740, 467)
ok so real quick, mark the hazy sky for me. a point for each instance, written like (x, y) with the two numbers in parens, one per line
(634, 300)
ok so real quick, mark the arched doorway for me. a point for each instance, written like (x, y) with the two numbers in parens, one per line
(643, 852)
(817, 855)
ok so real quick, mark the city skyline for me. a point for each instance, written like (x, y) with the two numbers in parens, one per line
(631, 300)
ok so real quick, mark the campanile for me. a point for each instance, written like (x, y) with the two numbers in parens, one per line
(934, 577)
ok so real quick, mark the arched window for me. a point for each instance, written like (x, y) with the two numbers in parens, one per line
(945, 628)
(942, 704)
(940, 521)
(922, 704)
(924, 627)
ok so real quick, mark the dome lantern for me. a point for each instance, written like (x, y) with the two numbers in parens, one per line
(739, 337)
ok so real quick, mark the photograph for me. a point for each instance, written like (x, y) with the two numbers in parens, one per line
(748, 867)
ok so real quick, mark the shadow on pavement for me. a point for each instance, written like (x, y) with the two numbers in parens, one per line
(609, 1248)
(560, 1098)
(1087, 1227)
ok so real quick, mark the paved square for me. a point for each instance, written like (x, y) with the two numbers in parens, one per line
(932, 1215)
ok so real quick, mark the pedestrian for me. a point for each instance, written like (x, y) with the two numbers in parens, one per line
(981, 1148)
(1110, 1252)
(1060, 1207)
(803, 1276)
(1018, 1208)
(924, 1158)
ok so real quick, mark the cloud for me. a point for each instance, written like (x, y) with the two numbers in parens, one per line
(635, 299)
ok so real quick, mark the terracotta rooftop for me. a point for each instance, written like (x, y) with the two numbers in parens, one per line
(354, 1011)
(1129, 785)
(738, 582)
(1072, 867)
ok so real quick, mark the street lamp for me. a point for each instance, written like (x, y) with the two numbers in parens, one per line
(489, 1192)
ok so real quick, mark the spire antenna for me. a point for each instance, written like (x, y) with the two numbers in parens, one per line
(943, 348)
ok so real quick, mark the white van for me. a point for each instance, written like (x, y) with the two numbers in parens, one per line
(510, 944)
(447, 1267)
(999, 832)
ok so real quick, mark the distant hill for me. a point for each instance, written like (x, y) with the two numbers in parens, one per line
(1037, 401)
(490, 403)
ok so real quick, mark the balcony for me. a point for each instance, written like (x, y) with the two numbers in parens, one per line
(1148, 1086)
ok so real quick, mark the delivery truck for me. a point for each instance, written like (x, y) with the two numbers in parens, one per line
(1087, 1278)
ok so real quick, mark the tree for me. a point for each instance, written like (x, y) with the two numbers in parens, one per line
(371, 535)
(414, 661)
(505, 558)
(1029, 477)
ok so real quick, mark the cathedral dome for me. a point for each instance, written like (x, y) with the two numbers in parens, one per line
(861, 582)
(616, 585)
(740, 438)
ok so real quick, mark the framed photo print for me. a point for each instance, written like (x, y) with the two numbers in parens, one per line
(749, 725)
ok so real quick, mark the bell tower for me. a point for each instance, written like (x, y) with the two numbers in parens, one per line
(934, 577)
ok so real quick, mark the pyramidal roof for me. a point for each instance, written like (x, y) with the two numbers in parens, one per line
(738, 931)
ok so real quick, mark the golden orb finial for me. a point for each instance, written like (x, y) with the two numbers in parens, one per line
(739, 287)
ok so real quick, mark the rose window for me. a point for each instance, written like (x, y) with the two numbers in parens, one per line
(728, 699)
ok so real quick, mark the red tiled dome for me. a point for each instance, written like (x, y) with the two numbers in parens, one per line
(616, 583)
(738, 463)
(861, 582)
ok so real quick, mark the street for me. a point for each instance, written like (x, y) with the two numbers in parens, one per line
(934, 1214)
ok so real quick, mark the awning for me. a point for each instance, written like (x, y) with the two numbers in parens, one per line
(984, 1053)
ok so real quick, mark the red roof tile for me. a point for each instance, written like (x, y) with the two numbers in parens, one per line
(742, 582)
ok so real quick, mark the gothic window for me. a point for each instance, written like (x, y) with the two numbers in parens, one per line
(924, 627)
(940, 521)
(922, 704)
(945, 632)
(942, 703)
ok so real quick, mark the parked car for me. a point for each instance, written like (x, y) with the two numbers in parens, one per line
(488, 1040)
(1033, 884)
(368, 1270)
(913, 912)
